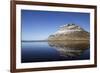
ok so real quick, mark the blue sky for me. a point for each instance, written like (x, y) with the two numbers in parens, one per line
(38, 25)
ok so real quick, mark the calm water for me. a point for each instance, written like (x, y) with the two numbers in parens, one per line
(54, 51)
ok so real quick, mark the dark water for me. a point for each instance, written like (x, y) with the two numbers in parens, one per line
(54, 51)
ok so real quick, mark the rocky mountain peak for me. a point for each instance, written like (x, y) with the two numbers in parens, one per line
(70, 32)
(71, 27)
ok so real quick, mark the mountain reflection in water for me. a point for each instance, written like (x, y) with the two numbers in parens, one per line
(70, 48)
(54, 51)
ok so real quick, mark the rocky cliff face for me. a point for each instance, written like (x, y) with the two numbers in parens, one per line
(70, 32)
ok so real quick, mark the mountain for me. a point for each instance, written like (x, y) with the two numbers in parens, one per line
(70, 32)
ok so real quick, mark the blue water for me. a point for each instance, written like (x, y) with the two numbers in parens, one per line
(44, 52)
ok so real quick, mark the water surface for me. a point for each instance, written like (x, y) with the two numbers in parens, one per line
(54, 51)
